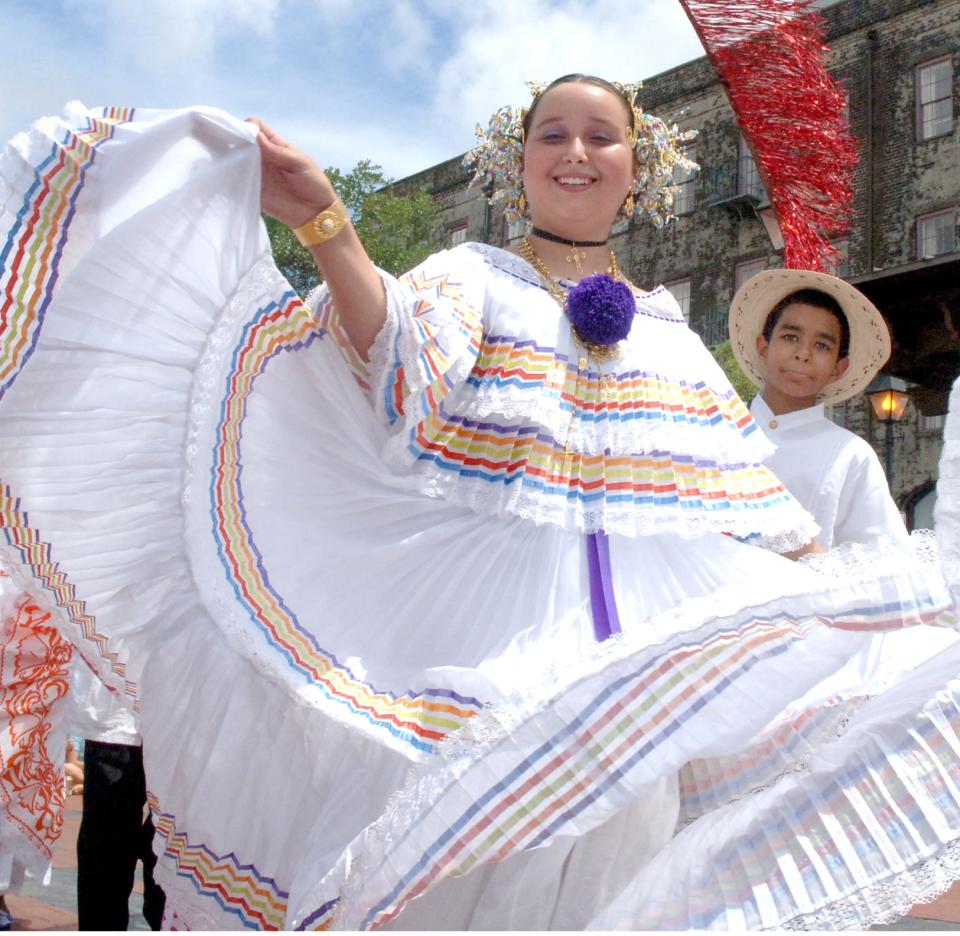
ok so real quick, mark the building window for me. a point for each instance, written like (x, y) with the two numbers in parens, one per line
(747, 269)
(680, 290)
(713, 328)
(684, 180)
(937, 234)
(934, 98)
(515, 230)
(841, 265)
(458, 234)
(748, 175)
(838, 413)
(931, 425)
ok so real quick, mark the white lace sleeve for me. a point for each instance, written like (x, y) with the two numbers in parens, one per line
(947, 511)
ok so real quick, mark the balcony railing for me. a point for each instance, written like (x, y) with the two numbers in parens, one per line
(732, 182)
(711, 325)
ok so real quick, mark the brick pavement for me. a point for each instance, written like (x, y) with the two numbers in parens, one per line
(54, 907)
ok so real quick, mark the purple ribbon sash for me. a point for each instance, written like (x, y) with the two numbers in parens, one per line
(603, 604)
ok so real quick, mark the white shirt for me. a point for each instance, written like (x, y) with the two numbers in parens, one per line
(837, 476)
(834, 474)
(95, 714)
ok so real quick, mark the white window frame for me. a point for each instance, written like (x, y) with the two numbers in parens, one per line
(684, 198)
(926, 233)
(929, 124)
(457, 233)
(931, 425)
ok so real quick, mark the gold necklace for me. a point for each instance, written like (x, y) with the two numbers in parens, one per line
(599, 352)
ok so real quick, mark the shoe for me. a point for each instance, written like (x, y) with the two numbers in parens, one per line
(6, 919)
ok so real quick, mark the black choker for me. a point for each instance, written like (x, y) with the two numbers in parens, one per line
(557, 239)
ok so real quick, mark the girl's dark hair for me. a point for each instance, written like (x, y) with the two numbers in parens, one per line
(576, 78)
(819, 300)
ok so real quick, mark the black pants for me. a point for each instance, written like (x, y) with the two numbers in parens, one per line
(113, 837)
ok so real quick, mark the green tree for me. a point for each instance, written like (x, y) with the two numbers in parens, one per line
(723, 353)
(355, 186)
(398, 231)
(293, 260)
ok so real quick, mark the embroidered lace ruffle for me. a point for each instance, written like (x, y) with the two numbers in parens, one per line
(492, 404)
(948, 497)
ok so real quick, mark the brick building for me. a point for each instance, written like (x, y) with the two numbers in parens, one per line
(898, 61)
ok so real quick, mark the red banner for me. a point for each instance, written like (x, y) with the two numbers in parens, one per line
(770, 55)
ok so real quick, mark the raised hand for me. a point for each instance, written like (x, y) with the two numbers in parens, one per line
(293, 188)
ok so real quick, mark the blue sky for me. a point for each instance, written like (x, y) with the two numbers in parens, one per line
(402, 83)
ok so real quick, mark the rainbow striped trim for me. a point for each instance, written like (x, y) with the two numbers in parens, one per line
(593, 750)
(239, 889)
(321, 918)
(879, 816)
(452, 352)
(709, 783)
(447, 347)
(328, 322)
(37, 556)
(508, 363)
(30, 256)
(508, 454)
(419, 719)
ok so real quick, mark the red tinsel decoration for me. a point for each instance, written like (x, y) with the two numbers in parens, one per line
(770, 54)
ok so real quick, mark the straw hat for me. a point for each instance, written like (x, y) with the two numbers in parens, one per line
(869, 337)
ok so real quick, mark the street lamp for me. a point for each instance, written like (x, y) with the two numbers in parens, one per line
(888, 396)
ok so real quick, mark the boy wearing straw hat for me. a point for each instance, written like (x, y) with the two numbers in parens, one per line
(807, 339)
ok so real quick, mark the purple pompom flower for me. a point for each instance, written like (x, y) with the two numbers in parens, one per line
(601, 309)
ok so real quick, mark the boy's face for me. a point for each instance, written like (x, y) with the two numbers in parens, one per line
(802, 357)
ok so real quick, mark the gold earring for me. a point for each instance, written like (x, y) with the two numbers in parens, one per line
(522, 203)
(629, 205)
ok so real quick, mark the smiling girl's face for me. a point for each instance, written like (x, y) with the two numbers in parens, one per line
(577, 162)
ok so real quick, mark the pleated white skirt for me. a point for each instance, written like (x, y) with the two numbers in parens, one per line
(363, 706)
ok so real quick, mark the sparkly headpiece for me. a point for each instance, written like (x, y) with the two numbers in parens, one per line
(497, 160)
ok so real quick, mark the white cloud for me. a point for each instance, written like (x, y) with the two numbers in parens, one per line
(446, 66)
(342, 141)
(163, 35)
(407, 40)
(401, 82)
(501, 46)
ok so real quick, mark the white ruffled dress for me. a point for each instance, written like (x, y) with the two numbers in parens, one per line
(357, 604)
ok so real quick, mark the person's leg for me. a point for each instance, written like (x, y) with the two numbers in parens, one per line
(109, 841)
(153, 897)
